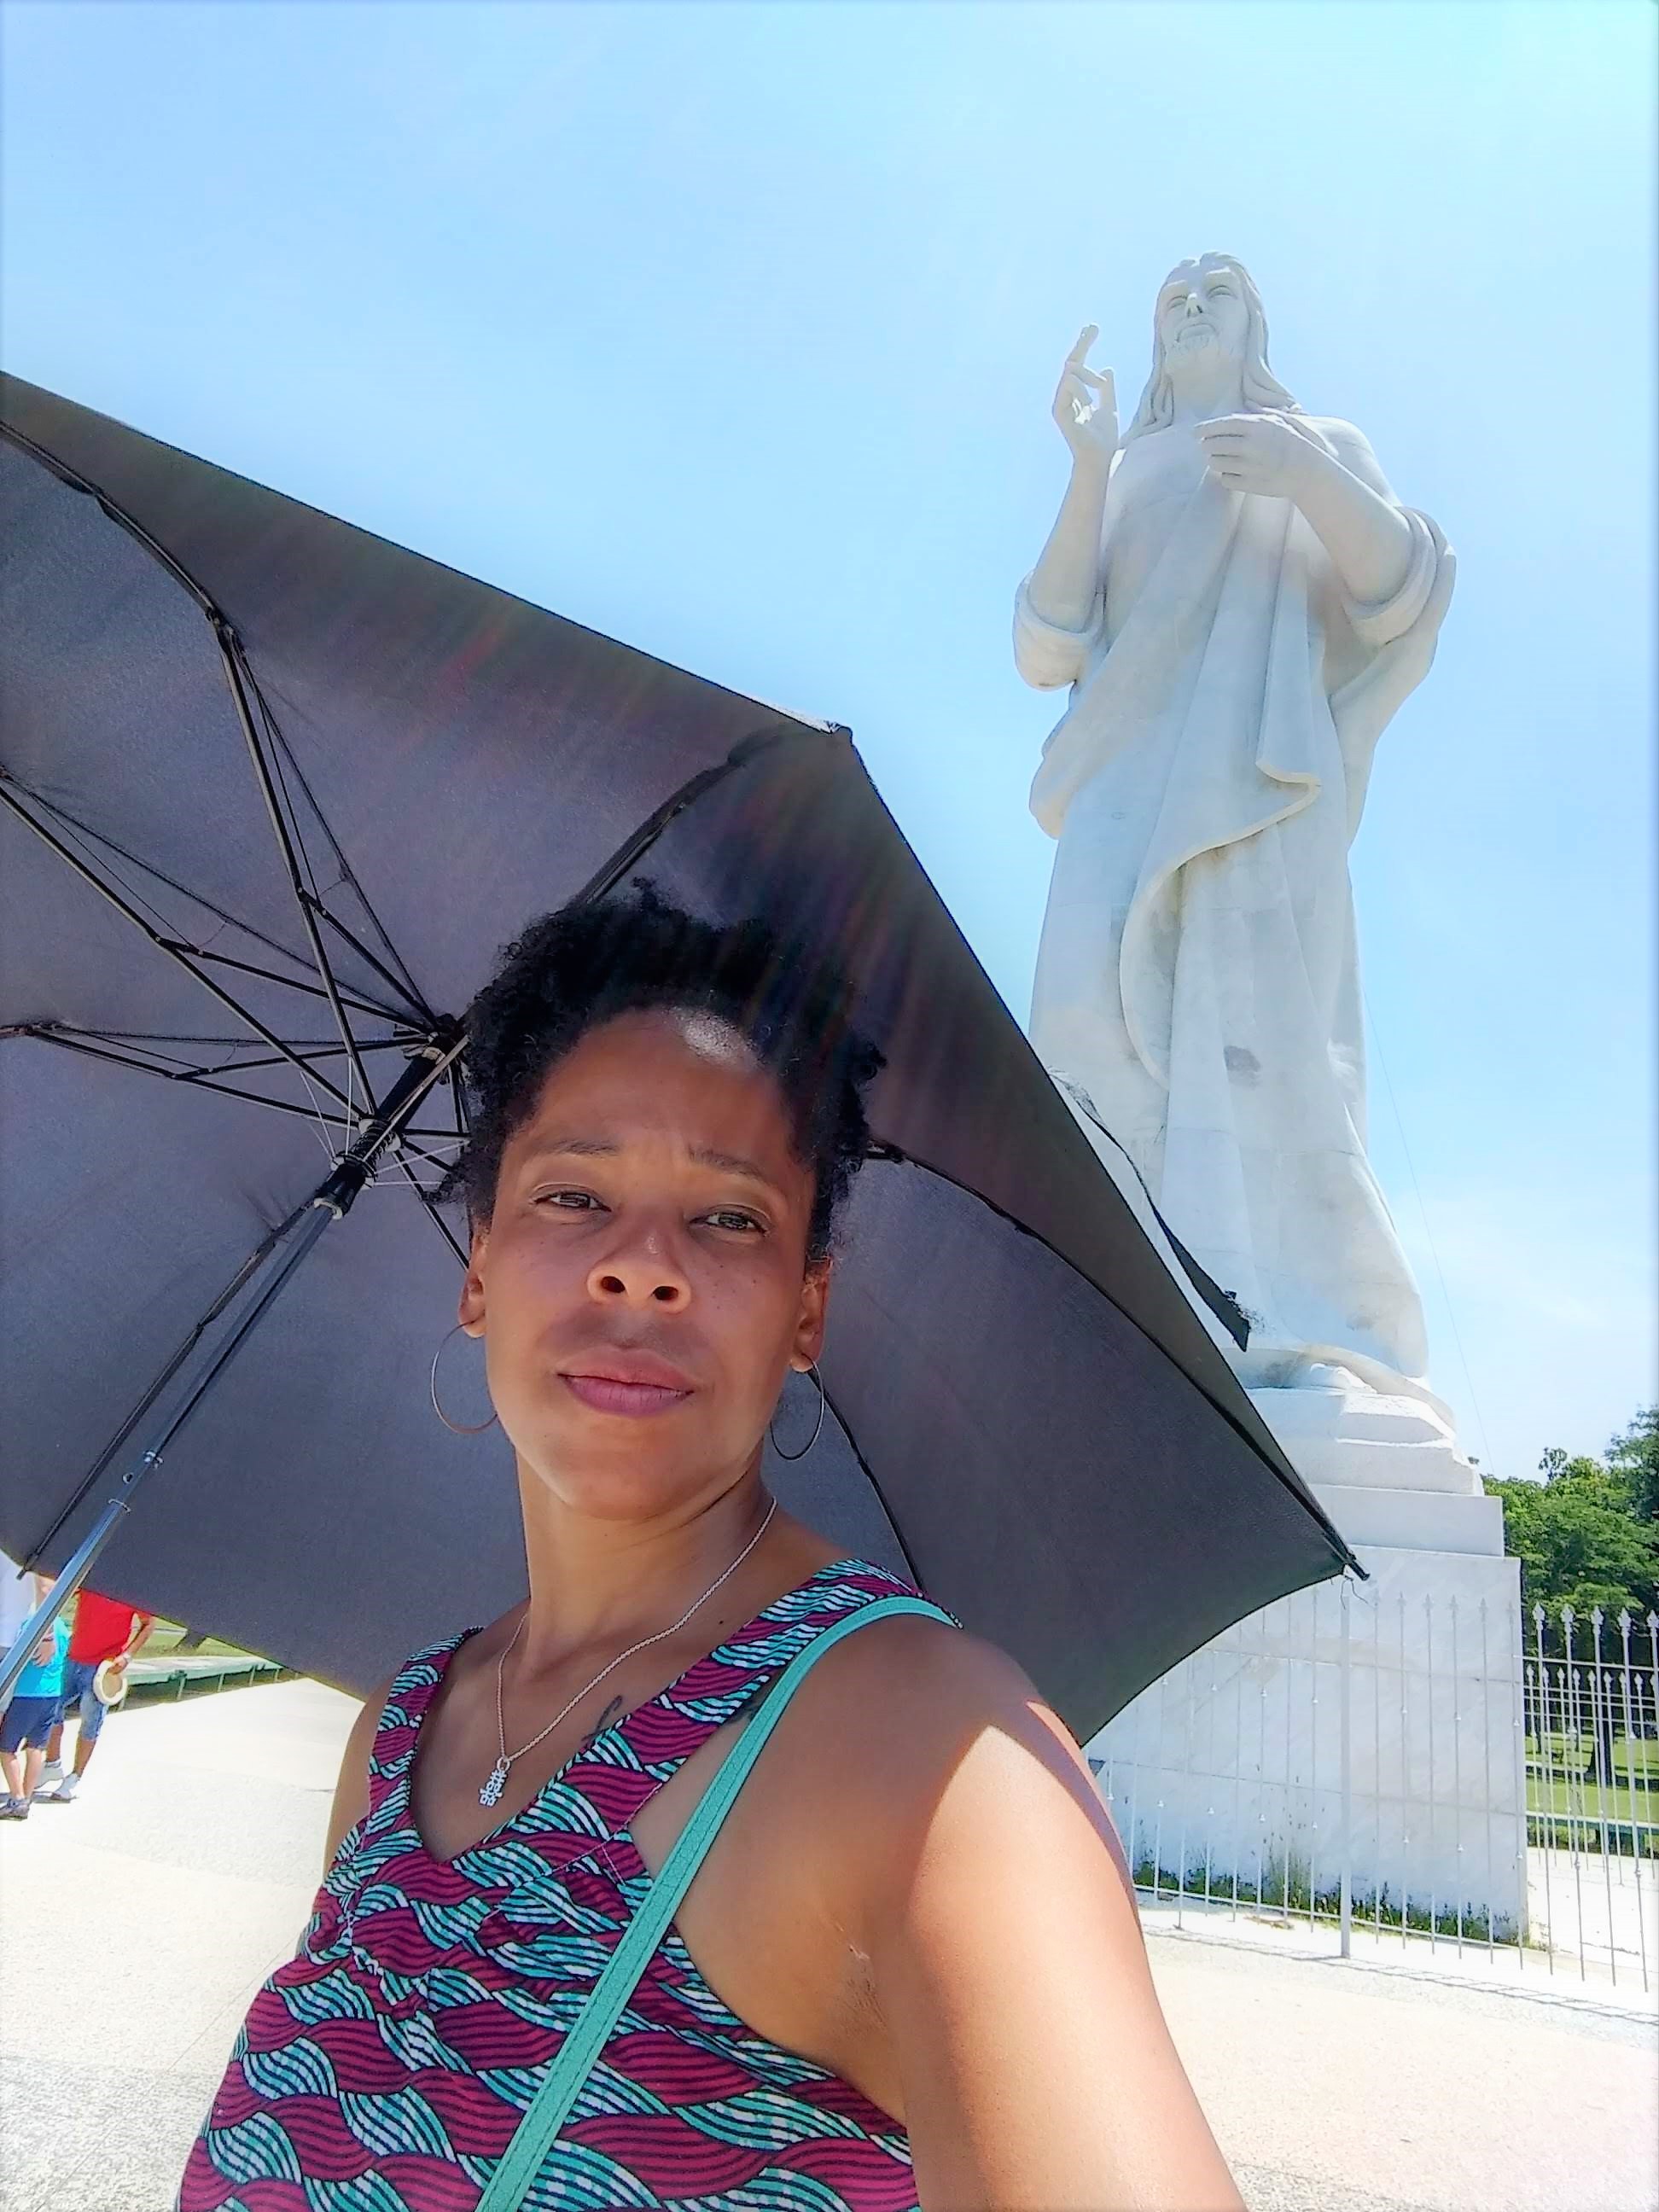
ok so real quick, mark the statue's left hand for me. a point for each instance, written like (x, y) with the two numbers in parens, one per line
(1266, 453)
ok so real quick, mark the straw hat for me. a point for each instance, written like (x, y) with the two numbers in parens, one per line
(109, 1684)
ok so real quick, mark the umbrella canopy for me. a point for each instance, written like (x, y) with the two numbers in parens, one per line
(275, 792)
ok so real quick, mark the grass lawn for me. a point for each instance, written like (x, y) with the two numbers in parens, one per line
(1569, 1805)
(162, 1669)
(1588, 1799)
(1569, 1814)
(165, 1636)
(1633, 1758)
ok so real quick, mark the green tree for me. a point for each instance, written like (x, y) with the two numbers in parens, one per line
(1633, 1459)
(1586, 1534)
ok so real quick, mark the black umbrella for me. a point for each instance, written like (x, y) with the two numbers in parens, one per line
(275, 792)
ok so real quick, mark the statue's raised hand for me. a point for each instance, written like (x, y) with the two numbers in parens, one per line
(1085, 405)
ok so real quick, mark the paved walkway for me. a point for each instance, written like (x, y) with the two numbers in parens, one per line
(135, 1923)
(1603, 1907)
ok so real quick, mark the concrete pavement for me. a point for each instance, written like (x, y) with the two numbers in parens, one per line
(135, 1923)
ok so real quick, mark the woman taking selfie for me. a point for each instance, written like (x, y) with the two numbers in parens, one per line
(907, 1970)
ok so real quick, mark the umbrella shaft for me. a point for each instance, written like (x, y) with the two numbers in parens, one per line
(321, 1214)
(328, 1203)
(58, 1595)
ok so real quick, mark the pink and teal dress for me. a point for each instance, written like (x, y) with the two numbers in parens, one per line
(385, 2068)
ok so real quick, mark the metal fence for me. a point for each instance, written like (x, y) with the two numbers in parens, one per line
(191, 1677)
(1403, 1773)
(1592, 1721)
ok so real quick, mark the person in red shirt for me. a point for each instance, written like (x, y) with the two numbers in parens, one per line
(106, 1628)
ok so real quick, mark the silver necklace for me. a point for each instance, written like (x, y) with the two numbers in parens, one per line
(490, 1793)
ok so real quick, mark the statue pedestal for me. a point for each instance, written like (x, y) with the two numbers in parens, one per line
(1242, 1764)
(1386, 1468)
(1368, 1439)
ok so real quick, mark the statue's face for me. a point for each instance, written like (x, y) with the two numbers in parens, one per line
(1202, 315)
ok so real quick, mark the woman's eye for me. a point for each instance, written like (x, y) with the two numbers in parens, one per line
(727, 1217)
(572, 1201)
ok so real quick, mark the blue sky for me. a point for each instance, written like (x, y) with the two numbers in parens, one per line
(731, 329)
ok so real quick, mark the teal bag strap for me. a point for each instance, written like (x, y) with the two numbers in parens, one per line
(539, 2130)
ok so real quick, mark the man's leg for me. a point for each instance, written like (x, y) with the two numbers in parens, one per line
(81, 1699)
(53, 1772)
(93, 1709)
(10, 1767)
(34, 1758)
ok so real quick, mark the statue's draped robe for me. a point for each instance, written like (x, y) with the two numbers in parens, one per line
(1198, 975)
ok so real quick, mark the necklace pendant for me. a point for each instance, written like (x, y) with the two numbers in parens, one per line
(490, 1793)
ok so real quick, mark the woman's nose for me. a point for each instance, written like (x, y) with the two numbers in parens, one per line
(644, 1276)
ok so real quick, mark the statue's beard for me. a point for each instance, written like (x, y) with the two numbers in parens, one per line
(1197, 356)
(1191, 339)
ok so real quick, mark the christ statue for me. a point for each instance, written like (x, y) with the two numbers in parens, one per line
(1238, 603)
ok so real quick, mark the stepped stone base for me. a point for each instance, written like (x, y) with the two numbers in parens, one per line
(1234, 1764)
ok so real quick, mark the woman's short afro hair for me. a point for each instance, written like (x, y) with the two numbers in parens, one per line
(582, 965)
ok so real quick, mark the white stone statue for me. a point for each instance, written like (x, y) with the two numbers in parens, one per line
(1238, 604)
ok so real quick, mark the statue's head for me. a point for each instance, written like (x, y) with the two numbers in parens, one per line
(1207, 311)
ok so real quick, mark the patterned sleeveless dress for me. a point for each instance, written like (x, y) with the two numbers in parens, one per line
(385, 2067)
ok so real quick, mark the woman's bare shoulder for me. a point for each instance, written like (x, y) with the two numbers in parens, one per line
(898, 1713)
(934, 1655)
(920, 1658)
(921, 1763)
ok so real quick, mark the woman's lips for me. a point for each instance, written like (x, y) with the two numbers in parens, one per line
(605, 1395)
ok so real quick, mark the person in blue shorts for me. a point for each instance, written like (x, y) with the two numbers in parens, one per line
(29, 1719)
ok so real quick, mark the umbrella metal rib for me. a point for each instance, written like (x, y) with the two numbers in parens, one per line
(173, 947)
(307, 901)
(72, 825)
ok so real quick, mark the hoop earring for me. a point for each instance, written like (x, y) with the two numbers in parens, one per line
(461, 1429)
(771, 1427)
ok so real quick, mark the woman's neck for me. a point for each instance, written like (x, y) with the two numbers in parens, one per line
(603, 1584)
